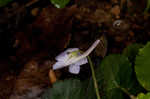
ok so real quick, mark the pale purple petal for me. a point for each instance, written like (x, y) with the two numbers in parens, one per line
(58, 65)
(64, 55)
(82, 61)
(74, 69)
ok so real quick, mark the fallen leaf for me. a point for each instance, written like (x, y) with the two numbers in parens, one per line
(52, 76)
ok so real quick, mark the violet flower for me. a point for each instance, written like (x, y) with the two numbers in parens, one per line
(73, 58)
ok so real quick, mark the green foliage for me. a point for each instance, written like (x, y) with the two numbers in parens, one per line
(60, 3)
(148, 6)
(142, 66)
(131, 51)
(71, 89)
(113, 75)
(68, 89)
(143, 96)
(4, 2)
(88, 90)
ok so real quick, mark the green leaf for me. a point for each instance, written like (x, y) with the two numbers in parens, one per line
(60, 3)
(88, 90)
(67, 89)
(71, 89)
(131, 51)
(4, 2)
(143, 96)
(142, 66)
(148, 6)
(113, 75)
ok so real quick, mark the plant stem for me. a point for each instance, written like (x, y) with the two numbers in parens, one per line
(130, 95)
(94, 78)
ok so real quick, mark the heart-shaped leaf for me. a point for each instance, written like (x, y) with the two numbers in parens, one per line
(71, 89)
(142, 66)
(143, 96)
(131, 51)
(115, 76)
(67, 89)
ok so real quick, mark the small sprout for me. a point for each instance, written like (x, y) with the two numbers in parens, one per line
(73, 58)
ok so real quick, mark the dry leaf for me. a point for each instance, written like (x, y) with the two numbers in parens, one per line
(52, 76)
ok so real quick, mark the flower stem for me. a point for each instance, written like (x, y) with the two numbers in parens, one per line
(94, 78)
(126, 91)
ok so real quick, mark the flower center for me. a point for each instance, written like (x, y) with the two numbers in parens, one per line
(73, 54)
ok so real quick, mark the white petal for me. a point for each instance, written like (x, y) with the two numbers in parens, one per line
(74, 69)
(82, 61)
(72, 49)
(64, 55)
(58, 65)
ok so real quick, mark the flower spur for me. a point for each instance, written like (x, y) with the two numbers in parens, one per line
(73, 58)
